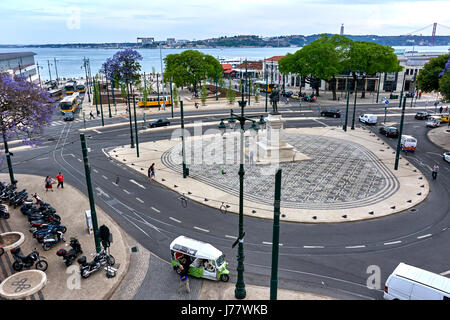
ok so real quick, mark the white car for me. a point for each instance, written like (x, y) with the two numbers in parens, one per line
(446, 156)
(368, 119)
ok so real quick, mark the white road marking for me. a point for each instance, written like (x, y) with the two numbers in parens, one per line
(173, 219)
(101, 192)
(95, 170)
(355, 247)
(79, 160)
(115, 184)
(322, 123)
(140, 185)
(105, 177)
(126, 191)
(95, 130)
(139, 200)
(425, 236)
(204, 230)
(393, 242)
(41, 159)
(154, 209)
(445, 273)
(270, 243)
(231, 237)
(313, 247)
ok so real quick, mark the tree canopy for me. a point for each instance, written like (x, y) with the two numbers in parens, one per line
(191, 67)
(327, 57)
(433, 74)
(123, 66)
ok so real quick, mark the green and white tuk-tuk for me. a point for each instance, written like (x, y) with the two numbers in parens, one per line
(204, 260)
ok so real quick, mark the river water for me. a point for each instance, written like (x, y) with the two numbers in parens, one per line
(69, 61)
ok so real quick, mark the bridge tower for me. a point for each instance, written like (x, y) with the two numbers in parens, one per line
(433, 35)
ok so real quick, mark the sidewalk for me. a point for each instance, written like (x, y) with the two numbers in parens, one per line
(440, 136)
(60, 278)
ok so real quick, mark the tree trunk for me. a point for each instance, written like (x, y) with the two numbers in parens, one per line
(363, 92)
(332, 85)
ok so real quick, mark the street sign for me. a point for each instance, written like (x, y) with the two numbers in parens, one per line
(386, 102)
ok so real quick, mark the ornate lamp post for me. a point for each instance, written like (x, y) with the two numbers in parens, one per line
(240, 292)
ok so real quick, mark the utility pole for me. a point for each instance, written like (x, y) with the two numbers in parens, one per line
(49, 72)
(87, 169)
(267, 82)
(171, 96)
(56, 69)
(275, 237)
(162, 78)
(157, 87)
(397, 155)
(39, 74)
(101, 104)
(379, 82)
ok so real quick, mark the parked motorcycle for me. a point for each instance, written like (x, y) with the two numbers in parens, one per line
(52, 228)
(101, 259)
(45, 216)
(69, 256)
(22, 261)
(52, 239)
(18, 201)
(4, 213)
(42, 226)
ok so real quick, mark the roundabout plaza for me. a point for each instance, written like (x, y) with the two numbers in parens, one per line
(328, 175)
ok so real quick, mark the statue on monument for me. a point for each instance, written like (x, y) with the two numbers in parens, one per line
(274, 99)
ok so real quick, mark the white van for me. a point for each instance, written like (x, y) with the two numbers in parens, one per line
(411, 283)
(408, 143)
(368, 119)
(434, 121)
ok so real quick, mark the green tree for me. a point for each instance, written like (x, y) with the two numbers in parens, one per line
(428, 78)
(231, 95)
(191, 67)
(367, 58)
(123, 90)
(444, 85)
(175, 96)
(204, 93)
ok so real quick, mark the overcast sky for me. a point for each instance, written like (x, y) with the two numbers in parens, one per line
(66, 21)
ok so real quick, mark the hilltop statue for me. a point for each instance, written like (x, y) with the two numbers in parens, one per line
(274, 99)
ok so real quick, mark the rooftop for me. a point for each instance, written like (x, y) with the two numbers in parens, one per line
(14, 55)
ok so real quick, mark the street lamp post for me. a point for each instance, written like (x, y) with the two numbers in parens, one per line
(135, 123)
(49, 72)
(397, 155)
(354, 105)
(101, 104)
(267, 83)
(346, 108)
(240, 292)
(403, 88)
(107, 92)
(183, 147)
(378, 90)
(276, 236)
(129, 115)
(56, 70)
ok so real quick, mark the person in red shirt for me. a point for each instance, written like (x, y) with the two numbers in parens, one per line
(60, 179)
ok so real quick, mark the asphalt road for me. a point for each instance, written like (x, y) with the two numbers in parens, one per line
(329, 259)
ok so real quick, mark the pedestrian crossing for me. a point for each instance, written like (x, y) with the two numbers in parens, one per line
(61, 122)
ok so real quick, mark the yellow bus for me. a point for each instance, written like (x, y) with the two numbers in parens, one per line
(56, 94)
(70, 87)
(263, 87)
(154, 102)
(69, 103)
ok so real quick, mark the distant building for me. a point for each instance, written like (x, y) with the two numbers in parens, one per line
(342, 30)
(171, 41)
(19, 63)
(145, 41)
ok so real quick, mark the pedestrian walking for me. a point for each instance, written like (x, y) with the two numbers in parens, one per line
(420, 94)
(48, 184)
(60, 179)
(435, 171)
(251, 157)
(184, 279)
(446, 109)
(91, 115)
(440, 109)
(151, 172)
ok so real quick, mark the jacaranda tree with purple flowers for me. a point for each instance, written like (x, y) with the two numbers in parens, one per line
(24, 110)
(124, 67)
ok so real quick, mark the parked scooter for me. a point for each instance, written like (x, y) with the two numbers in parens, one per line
(45, 216)
(43, 226)
(22, 261)
(52, 228)
(69, 256)
(101, 259)
(52, 239)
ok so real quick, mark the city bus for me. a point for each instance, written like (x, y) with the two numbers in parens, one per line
(69, 103)
(154, 102)
(56, 94)
(70, 87)
(263, 87)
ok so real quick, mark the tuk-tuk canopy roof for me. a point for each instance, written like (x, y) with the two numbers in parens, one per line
(195, 248)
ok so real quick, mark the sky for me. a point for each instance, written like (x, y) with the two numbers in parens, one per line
(98, 21)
